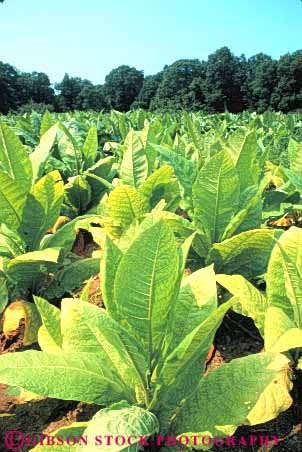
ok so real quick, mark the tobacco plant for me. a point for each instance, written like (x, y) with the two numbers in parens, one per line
(144, 356)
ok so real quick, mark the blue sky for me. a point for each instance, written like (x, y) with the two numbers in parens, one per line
(88, 38)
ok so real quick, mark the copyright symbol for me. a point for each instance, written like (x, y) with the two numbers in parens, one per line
(14, 440)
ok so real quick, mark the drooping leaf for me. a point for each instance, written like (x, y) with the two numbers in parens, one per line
(78, 193)
(13, 196)
(251, 302)
(284, 275)
(72, 277)
(17, 311)
(65, 376)
(120, 420)
(87, 328)
(247, 253)
(227, 395)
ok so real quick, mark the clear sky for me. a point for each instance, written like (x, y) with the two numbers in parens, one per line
(88, 38)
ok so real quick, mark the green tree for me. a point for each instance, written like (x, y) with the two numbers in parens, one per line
(287, 94)
(148, 91)
(34, 87)
(69, 92)
(122, 85)
(175, 89)
(260, 82)
(223, 86)
(8, 87)
(92, 98)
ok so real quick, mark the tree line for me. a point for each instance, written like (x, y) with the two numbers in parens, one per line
(224, 82)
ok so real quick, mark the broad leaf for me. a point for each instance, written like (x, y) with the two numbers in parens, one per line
(227, 395)
(42, 209)
(87, 328)
(251, 302)
(78, 193)
(196, 301)
(51, 329)
(90, 147)
(144, 285)
(65, 376)
(109, 265)
(14, 160)
(134, 166)
(284, 275)
(120, 420)
(126, 204)
(216, 195)
(41, 153)
(181, 372)
(247, 253)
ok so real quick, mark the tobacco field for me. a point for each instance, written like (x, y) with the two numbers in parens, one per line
(151, 277)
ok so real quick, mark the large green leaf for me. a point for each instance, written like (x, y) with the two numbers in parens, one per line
(42, 208)
(51, 324)
(216, 195)
(134, 166)
(251, 302)
(46, 123)
(90, 147)
(247, 253)
(65, 376)
(13, 196)
(69, 151)
(109, 265)
(87, 328)
(144, 285)
(284, 275)
(41, 153)
(280, 333)
(226, 396)
(78, 193)
(27, 269)
(102, 168)
(197, 299)
(14, 160)
(156, 181)
(120, 420)
(11, 244)
(180, 374)
(243, 148)
(126, 204)
(295, 156)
